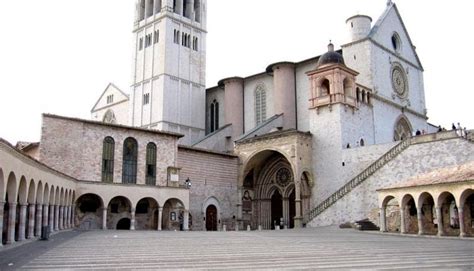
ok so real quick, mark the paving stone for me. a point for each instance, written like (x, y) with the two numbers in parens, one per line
(321, 248)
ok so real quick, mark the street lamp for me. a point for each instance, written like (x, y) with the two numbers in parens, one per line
(188, 183)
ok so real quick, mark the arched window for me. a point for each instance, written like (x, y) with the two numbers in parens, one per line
(214, 116)
(347, 87)
(130, 154)
(362, 142)
(402, 130)
(108, 150)
(325, 88)
(358, 94)
(141, 10)
(149, 11)
(109, 117)
(158, 6)
(151, 164)
(260, 105)
(197, 10)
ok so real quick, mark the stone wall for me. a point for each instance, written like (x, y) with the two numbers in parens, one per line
(421, 158)
(214, 178)
(74, 147)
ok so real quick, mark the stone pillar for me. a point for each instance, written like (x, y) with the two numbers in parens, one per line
(234, 104)
(239, 203)
(284, 93)
(419, 216)
(51, 218)
(39, 218)
(66, 217)
(44, 223)
(383, 220)
(186, 220)
(298, 217)
(160, 218)
(462, 228)
(402, 221)
(31, 221)
(132, 221)
(286, 212)
(440, 221)
(56, 217)
(22, 222)
(2, 204)
(73, 218)
(11, 223)
(104, 218)
(61, 218)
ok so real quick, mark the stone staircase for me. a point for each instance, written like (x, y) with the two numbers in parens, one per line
(359, 179)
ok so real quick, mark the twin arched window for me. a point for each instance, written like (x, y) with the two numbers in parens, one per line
(260, 105)
(130, 155)
(214, 123)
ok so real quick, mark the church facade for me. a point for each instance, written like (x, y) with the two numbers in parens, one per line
(306, 143)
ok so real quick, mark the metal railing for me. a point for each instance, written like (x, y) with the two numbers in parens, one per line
(359, 179)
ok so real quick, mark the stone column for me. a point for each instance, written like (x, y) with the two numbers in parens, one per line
(73, 212)
(69, 217)
(440, 221)
(66, 217)
(51, 218)
(160, 218)
(234, 101)
(45, 215)
(462, 230)
(39, 218)
(419, 216)
(298, 217)
(239, 203)
(2, 204)
(286, 212)
(11, 223)
(402, 221)
(383, 222)
(186, 220)
(132, 221)
(31, 221)
(104, 218)
(284, 93)
(56, 217)
(22, 222)
(61, 218)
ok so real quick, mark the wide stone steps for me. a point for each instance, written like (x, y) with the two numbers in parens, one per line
(325, 248)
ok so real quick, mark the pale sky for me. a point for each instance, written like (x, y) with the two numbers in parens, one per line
(57, 56)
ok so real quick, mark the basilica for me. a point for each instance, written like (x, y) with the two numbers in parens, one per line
(324, 141)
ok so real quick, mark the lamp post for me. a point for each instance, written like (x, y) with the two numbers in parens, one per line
(188, 183)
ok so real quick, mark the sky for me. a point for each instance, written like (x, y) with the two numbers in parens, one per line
(57, 56)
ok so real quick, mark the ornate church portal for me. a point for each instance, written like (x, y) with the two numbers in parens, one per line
(269, 193)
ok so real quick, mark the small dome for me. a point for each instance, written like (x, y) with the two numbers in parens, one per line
(330, 57)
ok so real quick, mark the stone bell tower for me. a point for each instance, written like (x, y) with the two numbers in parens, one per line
(168, 89)
(333, 117)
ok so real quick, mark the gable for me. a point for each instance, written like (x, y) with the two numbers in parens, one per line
(111, 90)
(390, 24)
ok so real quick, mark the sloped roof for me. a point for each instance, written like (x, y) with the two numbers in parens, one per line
(105, 90)
(455, 174)
(380, 21)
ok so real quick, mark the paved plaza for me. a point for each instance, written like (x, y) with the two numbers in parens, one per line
(323, 248)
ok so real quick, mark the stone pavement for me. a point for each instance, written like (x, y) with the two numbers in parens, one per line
(322, 248)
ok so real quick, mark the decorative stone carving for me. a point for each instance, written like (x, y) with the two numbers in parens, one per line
(283, 177)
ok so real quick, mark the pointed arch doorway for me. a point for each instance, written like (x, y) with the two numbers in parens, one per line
(211, 218)
(277, 209)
